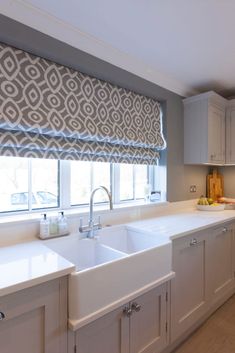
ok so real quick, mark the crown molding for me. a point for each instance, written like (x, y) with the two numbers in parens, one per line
(32, 16)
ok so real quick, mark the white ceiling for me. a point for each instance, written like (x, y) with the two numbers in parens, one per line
(186, 46)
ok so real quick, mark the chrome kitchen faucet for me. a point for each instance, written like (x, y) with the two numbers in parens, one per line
(91, 227)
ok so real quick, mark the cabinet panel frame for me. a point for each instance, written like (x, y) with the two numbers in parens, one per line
(48, 299)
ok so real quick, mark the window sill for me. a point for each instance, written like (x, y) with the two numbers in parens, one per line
(34, 217)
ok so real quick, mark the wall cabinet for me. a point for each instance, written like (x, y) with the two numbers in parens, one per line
(35, 319)
(230, 133)
(137, 327)
(204, 267)
(204, 129)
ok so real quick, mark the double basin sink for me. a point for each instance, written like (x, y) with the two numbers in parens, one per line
(118, 262)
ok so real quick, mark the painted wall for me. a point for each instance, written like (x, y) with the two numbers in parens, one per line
(179, 177)
(229, 180)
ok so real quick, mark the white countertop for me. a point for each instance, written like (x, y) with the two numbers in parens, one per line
(183, 222)
(28, 264)
(32, 263)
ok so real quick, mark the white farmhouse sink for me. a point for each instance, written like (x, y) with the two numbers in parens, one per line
(128, 239)
(116, 265)
(83, 253)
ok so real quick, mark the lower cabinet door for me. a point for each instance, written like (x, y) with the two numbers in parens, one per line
(148, 329)
(32, 320)
(189, 288)
(221, 262)
(109, 334)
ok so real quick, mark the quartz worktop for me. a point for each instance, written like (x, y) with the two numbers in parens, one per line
(28, 264)
(31, 263)
(179, 223)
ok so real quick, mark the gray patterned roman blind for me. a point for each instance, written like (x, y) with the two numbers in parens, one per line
(51, 111)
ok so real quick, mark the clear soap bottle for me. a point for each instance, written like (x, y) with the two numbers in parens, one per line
(44, 227)
(62, 224)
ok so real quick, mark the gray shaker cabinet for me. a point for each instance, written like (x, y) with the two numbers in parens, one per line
(204, 129)
(34, 320)
(230, 133)
(221, 261)
(189, 294)
(204, 264)
(141, 330)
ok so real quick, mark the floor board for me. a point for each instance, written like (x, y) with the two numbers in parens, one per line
(216, 335)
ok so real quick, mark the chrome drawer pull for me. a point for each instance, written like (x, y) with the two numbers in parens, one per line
(193, 242)
(135, 306)
(127, 311)
(2, 316)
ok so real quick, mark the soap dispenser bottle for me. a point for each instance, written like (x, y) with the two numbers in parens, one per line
(62, 224)
(44, 227)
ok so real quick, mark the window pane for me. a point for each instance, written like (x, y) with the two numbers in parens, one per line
(126, 182)
(13, 184)
(141, 181)
(101, 176)
(80, 182)
(85, 176)
(45, 183)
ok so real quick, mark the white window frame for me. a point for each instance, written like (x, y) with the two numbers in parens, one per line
(64, 180)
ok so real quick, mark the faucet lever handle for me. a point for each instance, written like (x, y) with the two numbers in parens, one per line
(99, 223)
(80, 225)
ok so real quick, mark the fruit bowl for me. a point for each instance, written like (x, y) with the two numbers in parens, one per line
(213, 207)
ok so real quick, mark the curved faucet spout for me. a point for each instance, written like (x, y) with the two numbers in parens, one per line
(92, 227)
(91, 220)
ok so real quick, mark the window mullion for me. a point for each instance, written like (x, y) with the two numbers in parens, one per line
(30, 193)
(134, 182)
(92, 176)
(65, 172)
(150, 177)
(116, 183)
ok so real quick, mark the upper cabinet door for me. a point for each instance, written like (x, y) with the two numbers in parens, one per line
(216, 134)
(230, 133)
(204, 129)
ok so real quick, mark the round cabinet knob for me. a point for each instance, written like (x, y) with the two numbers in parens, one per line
(135, 306)
(127, 311)
(225, 230)
(2, 316)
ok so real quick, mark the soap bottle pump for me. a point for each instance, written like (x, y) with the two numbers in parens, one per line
(44, 227)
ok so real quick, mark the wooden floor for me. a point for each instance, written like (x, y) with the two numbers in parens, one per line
(217, 335)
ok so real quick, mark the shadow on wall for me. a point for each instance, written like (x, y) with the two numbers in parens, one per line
(229, 180)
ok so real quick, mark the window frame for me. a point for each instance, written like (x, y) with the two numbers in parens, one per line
(64, 189)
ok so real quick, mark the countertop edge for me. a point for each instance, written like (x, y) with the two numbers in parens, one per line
(36, 281)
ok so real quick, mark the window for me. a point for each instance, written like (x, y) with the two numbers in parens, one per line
(33, 184)
(28, 184)
(133, 181)
(85, 176)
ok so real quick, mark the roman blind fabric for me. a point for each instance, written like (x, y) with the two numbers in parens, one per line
(51, 111)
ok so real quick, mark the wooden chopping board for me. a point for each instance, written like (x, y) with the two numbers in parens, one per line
(215, 185)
